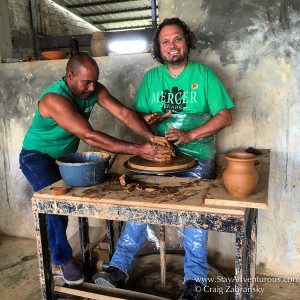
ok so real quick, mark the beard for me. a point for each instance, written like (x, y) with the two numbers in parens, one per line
(176, 62)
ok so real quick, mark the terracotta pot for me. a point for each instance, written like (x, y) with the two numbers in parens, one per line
(99, 44)
(54, 54)
(241, 175)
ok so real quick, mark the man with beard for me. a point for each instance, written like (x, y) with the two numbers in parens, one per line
(60, 122)
(184, 101)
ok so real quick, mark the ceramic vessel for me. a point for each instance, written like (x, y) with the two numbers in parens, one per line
(54, 54)
(240, 178)
(99, 44)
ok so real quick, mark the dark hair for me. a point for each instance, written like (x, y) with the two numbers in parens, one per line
(189, 36)
(78, 60)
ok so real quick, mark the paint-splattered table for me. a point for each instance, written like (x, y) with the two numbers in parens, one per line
(162, 200)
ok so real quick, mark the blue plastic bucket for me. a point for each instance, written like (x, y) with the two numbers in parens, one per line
(84, 169)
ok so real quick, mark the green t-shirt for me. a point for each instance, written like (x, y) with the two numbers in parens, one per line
(193, 97)
(45, 135)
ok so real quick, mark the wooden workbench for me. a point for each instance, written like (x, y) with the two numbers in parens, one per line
(162, 200)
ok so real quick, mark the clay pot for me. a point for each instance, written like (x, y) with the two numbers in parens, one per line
(99, 44)
(54, 54)
(241, 176)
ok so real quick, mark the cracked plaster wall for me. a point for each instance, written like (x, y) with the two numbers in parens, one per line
(254, 47)
(19, 90)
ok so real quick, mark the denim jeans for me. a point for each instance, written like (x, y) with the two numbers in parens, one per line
(41, 170)
(195, 240)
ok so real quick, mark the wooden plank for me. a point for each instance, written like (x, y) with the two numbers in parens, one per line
(168, 193)
(218, 195)
(163, 192)
(62, 190)
(93, 291)
(84, 294)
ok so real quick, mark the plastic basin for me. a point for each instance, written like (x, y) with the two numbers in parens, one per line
(84, 169)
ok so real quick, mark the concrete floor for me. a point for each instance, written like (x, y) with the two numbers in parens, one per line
(19, 275)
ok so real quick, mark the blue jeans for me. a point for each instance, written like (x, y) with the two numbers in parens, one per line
(195, 240)
(41, 170)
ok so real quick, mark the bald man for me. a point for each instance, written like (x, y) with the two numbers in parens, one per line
(60, 122)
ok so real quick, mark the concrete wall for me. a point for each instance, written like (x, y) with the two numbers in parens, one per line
(254, 47)
(20, 86)
(20, 28)
(51, 21)
(5, 45)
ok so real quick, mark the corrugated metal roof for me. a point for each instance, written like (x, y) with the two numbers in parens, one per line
(110, 15)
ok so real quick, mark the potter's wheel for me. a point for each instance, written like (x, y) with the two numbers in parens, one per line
(145, 278)
(179, 163)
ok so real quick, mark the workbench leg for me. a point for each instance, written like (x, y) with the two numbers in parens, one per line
(239, 265)
(246, 257)
(120, 228)
(86, 256)
(251, 240)
(162, 245)
(44, 256)
(110, 237)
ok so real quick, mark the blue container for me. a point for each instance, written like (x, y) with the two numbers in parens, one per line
(84, 169)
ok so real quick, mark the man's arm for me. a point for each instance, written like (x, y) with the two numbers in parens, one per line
(219, 121)
(126, 115)
(63, 112)
(129, 117)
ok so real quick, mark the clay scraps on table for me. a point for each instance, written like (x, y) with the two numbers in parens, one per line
(129, 185)
(156, 193)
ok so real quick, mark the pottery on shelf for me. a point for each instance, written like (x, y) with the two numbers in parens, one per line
(99, 44)
(54, 54)
(241, 177)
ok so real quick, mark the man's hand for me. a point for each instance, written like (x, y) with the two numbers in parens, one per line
(180, 136)
(156, 152)
(164, 148)
(156, 117)
(160, 140)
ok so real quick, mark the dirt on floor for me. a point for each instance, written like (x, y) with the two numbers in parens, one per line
(19, 278)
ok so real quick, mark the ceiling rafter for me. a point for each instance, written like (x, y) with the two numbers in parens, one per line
(132, 27)
(122, 20)
(111, 15)
(114, 12)
(80, 5)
